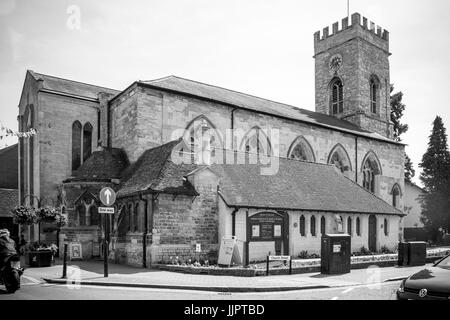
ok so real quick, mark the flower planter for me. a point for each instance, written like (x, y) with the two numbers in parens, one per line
(38, 259)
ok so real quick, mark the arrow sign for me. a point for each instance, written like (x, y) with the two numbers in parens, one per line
(107, 196)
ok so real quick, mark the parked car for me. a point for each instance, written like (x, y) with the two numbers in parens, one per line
(432, 283)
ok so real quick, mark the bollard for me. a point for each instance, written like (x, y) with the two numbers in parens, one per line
(64, 275)
(290, 265)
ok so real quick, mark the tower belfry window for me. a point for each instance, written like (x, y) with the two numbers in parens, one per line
(373, 95)
(337, 97)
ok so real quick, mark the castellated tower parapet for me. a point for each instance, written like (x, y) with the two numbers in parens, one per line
(352, 73)
(363, 29)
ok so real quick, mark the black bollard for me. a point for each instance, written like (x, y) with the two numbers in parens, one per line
(64, 275)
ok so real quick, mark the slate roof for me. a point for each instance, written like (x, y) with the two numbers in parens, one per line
(154, 171)
(259, 104)
(297, 186)
(9, 167)
(8, 200)
(71, 87)
(102, 165)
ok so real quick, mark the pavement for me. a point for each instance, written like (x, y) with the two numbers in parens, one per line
(91, 273)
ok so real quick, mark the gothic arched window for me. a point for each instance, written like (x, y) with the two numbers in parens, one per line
(374, 93)
(256, 142)
(371, 169)
(337, 97)
(349, 226)
(395, 195)
(136, 218)
(302, 225)
(339, 158)
(301, 150)
(87, 140)
(358, 227)
(313, 226)
(386, 230)
(95, 219)
(76, 145)
(130, 217)
(322, 225)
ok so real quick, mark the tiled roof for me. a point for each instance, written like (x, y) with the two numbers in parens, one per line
(102, 165)
(9, 167)
(297, 185)
(71, 87)
(8, 200)
(154, 171)
(259, 104)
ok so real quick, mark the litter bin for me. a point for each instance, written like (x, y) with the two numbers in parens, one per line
(335, 254)
(403, 252)
(417, 253)
(41, 258)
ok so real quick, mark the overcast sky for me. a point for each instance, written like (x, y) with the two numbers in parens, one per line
(259, 47)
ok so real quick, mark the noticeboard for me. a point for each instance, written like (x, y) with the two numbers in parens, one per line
(265, 226)
(75, 251)
(229, 252)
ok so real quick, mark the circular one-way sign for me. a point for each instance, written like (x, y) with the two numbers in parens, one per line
(107, 196)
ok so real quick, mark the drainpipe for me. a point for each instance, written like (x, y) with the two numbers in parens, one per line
(144, 240)
(356, 159)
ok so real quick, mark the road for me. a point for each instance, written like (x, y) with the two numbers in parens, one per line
(42, 291)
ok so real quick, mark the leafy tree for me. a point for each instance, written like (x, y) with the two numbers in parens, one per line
(397, 108)
(436, 178)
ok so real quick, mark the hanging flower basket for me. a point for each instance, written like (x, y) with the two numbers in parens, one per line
(47, 214)
(24, 215)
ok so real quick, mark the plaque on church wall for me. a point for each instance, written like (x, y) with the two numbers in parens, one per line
(267, 231)
(255, 231)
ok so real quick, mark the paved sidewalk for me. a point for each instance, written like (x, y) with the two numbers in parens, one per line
(91, 273)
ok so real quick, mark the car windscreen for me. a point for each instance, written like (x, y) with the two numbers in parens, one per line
(445, 263)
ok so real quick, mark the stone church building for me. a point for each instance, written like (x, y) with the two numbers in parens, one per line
(192, 163)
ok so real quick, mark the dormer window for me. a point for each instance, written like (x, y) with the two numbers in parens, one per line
(337, 97)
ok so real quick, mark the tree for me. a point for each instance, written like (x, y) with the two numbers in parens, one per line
(436, 178)
(397, 108)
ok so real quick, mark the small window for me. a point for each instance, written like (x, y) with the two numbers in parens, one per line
(374, 92)
(313, 226)
(322, 225)
(302, 226)
(395, 196)
(386, 229)
(349, 226)
(130, 217)
(136, 218)
(358, 227)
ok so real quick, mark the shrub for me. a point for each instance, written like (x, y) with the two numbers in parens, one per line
(362, 252)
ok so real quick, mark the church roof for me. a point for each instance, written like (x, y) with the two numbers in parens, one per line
(297, 185)
(70, 87)
(101, 165)
(154, 171)
(257, 104)
(8, 200)
(9, 167)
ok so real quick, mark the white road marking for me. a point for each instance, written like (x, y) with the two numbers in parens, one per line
(334, 298)
(35, 281)
(347, 290)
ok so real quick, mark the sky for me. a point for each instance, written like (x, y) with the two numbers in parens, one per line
(260, 47)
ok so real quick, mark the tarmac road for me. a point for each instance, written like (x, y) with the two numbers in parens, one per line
(42, 291)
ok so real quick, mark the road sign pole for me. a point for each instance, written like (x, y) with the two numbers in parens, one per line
(105, 247)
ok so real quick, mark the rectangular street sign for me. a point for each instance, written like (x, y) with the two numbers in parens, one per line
(108, 210)
(279, 258)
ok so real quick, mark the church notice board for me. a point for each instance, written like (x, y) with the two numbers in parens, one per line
(75, 252)
(229, 252)
(265, 226)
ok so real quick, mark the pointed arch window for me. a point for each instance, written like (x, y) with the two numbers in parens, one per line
(349, 226)
(95, 218)
(76, 145)
(256, 142)
(87, 141)
(202, 136)
(374, 85)
(358, 227)
(313, 226)
(322, 225)
(386, 229)
(337, 97)
(302, 226)
(339, 157)
(396, 196)
(136, 218)
(371, 169)
(301, 150)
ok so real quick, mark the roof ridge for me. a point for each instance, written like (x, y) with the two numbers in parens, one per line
(8, 147)
(158, 176)
(85, 83)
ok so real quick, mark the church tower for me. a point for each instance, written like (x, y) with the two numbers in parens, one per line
(352, 74)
